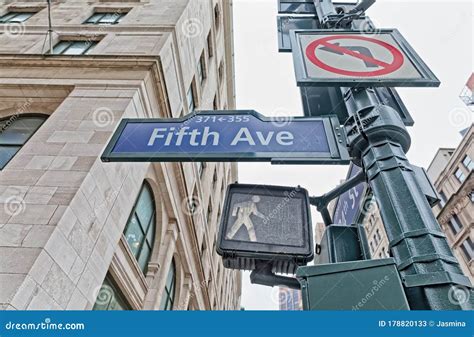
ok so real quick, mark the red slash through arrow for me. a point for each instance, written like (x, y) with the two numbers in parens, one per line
(331, 42)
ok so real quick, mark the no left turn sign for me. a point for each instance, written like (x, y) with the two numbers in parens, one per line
(360, 48)
(352, 58)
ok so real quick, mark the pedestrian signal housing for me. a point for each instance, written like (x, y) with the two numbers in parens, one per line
(266, 224)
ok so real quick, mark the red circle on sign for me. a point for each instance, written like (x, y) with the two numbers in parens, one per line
(388, 68)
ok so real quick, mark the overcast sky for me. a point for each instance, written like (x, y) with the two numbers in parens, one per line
(440, 31)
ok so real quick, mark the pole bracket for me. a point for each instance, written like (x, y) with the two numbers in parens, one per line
(264, 275)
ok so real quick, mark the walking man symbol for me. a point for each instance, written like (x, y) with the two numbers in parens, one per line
(244, 211)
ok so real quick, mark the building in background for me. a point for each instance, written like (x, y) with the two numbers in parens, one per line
(318, 229)
(76, 233)
(290, 299)
(374, 229)
(467, 93)
(451, 171)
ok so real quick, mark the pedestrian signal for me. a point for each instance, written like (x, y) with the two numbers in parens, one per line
(270, 224)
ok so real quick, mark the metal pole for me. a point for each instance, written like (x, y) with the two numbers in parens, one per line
(379, 141)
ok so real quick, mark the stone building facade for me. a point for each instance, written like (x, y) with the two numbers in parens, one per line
(452, 174)
(77, 233)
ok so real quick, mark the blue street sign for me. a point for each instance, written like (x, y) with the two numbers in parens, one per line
(229, 136)
(350, 204)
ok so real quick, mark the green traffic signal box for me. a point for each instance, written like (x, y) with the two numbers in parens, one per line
(355, 285)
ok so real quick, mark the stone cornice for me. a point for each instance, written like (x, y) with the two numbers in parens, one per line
(112, 61)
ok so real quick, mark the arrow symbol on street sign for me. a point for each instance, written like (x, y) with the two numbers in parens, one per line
(367, 56)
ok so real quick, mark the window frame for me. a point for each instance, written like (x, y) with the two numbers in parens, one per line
(220, 73)
(460, 176)
(210, 47)
(191, 98)
(120, 16)
(170, 289)
(468, 163)
(217, 17)
(44, 117)
(467, 249)
(70, 44)
(15, 14)
(202, 69)
(145, 231)
(116, 291)
(443, 198)
(455, 225)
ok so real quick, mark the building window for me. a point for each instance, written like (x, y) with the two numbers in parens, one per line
(455, 224)
(14, 133)
(74, 47)
(459, 174)
(371, 220)
(221, 72)
(209, 211)
(468, 163)
(376, 242)
(215, 106)
(371, 246)
(210, 48)
(377, 232)
(201, 166)
(467, 248)
(214, 179)
(140, 230)
(16, 17)
(190, 96)
(109, 297)
(201, 69)
(217, 16)
(167, 299)
(105, 18)
(443, 198)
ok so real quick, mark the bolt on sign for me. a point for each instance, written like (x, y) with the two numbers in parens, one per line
(354, 58)
(270, 224)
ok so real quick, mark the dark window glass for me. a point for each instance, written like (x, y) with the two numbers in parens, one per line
(201, 69)
(16, 17)
(221, 72)
(190, 97)
(443, 198)
(210, 49)
(468, 163)
(217, 16)
(14, 133)
(377, 232)
(467, 248)
(105, 18)
(74, 47)
(460, 175)
(167, 299)
(109, 297)
(455, 224)
(140, 230)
